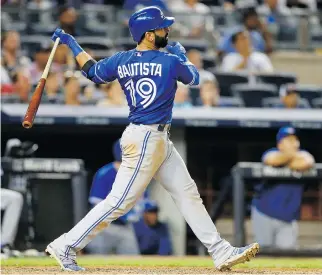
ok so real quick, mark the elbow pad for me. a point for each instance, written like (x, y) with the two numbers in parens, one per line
(86, 69)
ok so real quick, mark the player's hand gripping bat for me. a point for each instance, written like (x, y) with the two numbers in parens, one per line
(31, 112)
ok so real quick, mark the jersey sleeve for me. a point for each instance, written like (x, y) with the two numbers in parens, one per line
(105, 70)
(185, 72)
(101, 185)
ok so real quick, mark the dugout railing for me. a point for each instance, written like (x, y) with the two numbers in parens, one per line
(55, 196)
(242, 172)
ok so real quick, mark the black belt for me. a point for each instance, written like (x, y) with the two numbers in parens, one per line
(161, 127)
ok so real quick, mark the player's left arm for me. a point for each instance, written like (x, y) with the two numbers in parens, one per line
(184, 70)
(302, 161)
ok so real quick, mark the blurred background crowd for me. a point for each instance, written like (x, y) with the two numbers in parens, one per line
(230, 42)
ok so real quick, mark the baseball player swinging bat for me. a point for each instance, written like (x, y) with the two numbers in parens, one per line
(31, 112)
(148, 78)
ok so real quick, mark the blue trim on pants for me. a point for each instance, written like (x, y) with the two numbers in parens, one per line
(127, 189)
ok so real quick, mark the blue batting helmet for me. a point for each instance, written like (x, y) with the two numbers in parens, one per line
(148, 19)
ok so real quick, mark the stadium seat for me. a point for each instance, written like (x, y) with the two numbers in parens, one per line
(125, 43)
(277, 79)
(198, 44)
(208, 62)
(31, 42)
(10, 98)
(229, 101)
(95, 43)
(225, 80)
(223, 19)
(309, 92)
(253, 94)
(40, 22)
(275, 102)
(317, 103)
(13, 19)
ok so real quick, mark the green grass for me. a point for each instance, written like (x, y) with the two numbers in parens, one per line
(169, 262)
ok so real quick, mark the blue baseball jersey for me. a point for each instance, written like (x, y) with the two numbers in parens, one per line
(227, 46)
(149, 81)
(280, 199)
(153, 240)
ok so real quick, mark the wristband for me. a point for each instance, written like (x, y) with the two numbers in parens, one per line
(75, 47)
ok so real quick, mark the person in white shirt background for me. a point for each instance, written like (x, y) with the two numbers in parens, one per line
(191, 18)
(196, 59)
(245, 58)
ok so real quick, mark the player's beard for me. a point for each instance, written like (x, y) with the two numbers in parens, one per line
(161, 42)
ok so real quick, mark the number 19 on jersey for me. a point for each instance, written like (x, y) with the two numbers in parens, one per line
(145, 88)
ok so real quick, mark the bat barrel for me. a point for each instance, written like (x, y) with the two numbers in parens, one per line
(27, 124)
(34, 104)
(28, 120)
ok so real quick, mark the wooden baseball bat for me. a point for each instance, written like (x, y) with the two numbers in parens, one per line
(31, 112)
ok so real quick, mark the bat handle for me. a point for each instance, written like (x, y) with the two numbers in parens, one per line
(36, 97)
(50, 59)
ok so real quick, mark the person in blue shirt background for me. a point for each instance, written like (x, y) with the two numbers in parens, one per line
(259, 36)
(118, 237)
(152, 235)
(276, 205)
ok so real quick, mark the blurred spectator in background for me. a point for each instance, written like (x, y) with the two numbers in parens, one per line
(260, 37)
(276, 205)
(182, 99)
(279, 15)
(119, 236)
(14, 66)
(53, 90)
(114, 95)
(289, 97)
(152, 235)
(195, 57)
(191, 18)
(72, 88)
(64, 57)
(41, 56)
(67, 17)
(245, 58)
(209, 94)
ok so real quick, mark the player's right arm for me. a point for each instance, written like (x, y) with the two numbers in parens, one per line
(98, 72)
(183, 69)
(274, 157)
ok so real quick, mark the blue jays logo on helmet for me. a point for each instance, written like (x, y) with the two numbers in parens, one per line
(148, 19)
